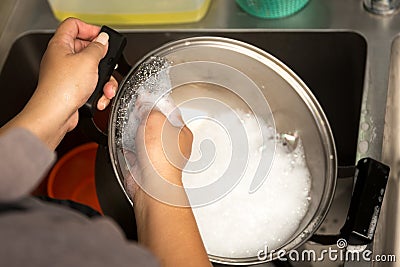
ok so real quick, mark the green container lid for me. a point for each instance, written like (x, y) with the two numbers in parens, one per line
(271, 8)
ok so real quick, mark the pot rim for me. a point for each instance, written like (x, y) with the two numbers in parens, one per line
(301, 89)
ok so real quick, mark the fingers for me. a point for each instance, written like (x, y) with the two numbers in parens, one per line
(69, 31)
(103, 103)
(79, 45)
(97, 49)
(166, 146)
(74, 36)
(76, 28)
(109, 91)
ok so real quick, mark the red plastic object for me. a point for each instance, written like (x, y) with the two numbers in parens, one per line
(72, 177)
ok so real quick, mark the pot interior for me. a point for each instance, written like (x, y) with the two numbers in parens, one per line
(254, 79)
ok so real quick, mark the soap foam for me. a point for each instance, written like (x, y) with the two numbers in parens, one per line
(149, 88)
(240, 224)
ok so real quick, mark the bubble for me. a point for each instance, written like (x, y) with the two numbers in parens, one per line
(284, 196)
(363, 146)
(364, 126)
(150, 82)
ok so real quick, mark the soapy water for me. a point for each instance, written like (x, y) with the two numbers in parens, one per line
(148, 89)
(229, 146)
(241, 223)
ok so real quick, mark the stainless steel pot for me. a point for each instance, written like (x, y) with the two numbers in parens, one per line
(292, 104)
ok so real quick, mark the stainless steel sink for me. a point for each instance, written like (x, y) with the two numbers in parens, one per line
(331, 63)
(388, 232)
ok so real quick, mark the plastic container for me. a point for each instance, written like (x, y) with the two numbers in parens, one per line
(72, 177)
(131, 12)
(271, 9)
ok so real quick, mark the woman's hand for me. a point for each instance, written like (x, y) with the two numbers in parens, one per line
(68, 76)
(70, 64)
(162, 148)
(168, 230)
(161, 153)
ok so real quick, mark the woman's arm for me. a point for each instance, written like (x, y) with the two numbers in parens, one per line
(68, 76)
(169, 231)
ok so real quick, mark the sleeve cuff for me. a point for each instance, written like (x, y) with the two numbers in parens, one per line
(24, 160)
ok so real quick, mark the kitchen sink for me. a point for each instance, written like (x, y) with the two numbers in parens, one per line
(331, 63)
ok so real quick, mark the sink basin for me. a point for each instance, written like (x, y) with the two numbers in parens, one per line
(389, 223)
(332, 64)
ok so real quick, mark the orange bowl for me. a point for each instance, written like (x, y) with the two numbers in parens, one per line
(72, 177)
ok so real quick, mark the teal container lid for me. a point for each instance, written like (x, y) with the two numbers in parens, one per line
(271, 8)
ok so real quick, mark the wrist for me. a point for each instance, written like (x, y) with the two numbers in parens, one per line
(150, 210)
(165, 189)
(46, 125)
(48, 117)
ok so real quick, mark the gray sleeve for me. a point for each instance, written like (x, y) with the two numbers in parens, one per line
(34, 233)
(24, 160)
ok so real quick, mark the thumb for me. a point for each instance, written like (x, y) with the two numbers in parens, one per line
(97, 49)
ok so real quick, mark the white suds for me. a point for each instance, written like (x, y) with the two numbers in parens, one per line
(240, 224)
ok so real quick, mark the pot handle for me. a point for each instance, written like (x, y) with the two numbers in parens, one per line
(362, 217)
(116, 45)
